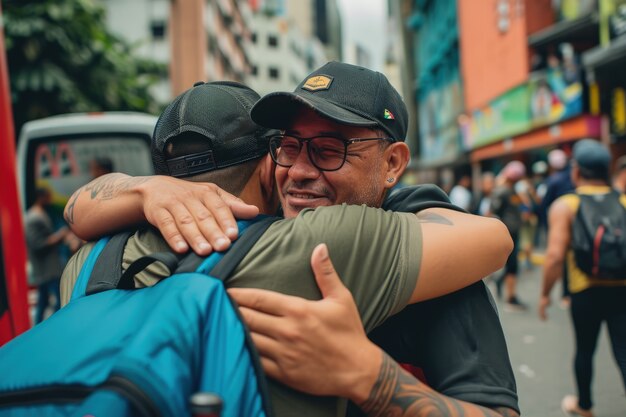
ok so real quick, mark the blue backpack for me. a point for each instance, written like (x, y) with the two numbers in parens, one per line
(116, 351)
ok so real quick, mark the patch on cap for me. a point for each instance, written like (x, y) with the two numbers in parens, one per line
(389, 115)
(318, 82)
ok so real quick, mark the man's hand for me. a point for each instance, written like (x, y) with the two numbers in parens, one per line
(200, 215)
(544, 304)
(318, 347)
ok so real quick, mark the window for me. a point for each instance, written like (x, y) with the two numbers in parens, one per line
(158, 29)
(253, 37)
(272, 40)
(254, 70)
(274, 73)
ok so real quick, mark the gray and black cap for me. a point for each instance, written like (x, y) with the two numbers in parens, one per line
(217, 111)
(347, 94)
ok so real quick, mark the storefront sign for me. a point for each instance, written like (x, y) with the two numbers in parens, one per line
(507, 115)
(549, 96)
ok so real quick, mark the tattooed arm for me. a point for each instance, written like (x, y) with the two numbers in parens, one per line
(397, 393)
(303, 345)
(198, 214)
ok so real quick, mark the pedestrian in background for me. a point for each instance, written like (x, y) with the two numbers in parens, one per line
(539, 180)
(43, 245)
(529, 201)
(558, 183)
(597, 294)
(506, 205)
(100, 166)
(487, 182)
(460, 195)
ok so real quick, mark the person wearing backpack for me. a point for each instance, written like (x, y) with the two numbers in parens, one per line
(356, 104)
(587, 229)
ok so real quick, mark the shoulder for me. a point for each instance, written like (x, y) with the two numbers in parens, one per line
(567, 203)
(417, 197)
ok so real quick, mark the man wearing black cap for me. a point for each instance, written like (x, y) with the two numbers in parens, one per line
(342, 142)
(597, 292)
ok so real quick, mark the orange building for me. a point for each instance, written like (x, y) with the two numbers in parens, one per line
(524, 90)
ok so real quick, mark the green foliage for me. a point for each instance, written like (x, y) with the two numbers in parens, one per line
(63, 59)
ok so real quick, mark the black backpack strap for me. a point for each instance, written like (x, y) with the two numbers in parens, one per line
(191, 262)
(107, 270)
(241, 247)
(235, 253)
(127, 280)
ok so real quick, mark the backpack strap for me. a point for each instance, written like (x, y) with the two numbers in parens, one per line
(240, 249)
(107, 270)
(80, 286)
(218, 264)
(221, 264)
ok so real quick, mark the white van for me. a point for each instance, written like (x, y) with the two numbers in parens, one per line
(57, 151)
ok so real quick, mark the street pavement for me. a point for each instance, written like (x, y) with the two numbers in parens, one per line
(542, 355)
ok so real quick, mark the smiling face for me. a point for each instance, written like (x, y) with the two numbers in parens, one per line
(361, 180)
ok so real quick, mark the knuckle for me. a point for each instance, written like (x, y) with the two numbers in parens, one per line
(166, 222)
(291, 335)
(204, 216)
(185, 219)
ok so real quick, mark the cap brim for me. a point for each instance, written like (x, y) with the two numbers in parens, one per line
(277, 110)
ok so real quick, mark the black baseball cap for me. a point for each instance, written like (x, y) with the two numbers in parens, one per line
(344, 93)
(217, 111)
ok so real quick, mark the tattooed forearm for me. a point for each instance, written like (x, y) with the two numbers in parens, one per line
(397, 393)
(429, 217)
(69, 210)
(108, 187)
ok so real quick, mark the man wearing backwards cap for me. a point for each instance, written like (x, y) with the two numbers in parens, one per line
(593, 299)
(353, 157)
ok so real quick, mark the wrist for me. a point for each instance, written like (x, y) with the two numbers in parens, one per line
(366, 373)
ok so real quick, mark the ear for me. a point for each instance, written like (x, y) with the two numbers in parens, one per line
(397, 156)
(268, 180)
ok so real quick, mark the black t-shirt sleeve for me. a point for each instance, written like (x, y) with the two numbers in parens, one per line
(417, 197)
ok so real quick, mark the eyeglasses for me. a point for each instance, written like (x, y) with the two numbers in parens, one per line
(326, 153)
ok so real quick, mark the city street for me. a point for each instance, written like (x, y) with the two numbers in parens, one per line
(542, 352)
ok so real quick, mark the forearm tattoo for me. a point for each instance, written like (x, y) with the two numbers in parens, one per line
(397, 393)
(69, 211)
(429, 217)
(103, 188)
(106, 188)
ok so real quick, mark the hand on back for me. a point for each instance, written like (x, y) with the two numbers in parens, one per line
(191, 214)
(318, 347)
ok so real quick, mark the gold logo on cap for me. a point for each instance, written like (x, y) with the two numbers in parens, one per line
(318, 82)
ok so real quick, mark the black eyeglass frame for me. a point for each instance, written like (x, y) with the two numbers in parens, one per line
(303, 141)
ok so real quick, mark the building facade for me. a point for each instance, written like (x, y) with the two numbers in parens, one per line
(287, 42)
(515, 79)
(269, 44)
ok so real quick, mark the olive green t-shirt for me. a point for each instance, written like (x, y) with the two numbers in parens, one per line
(376, 253)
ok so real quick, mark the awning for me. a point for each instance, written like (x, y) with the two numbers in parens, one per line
(585, 126)
(614, 53)
(584, 28)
